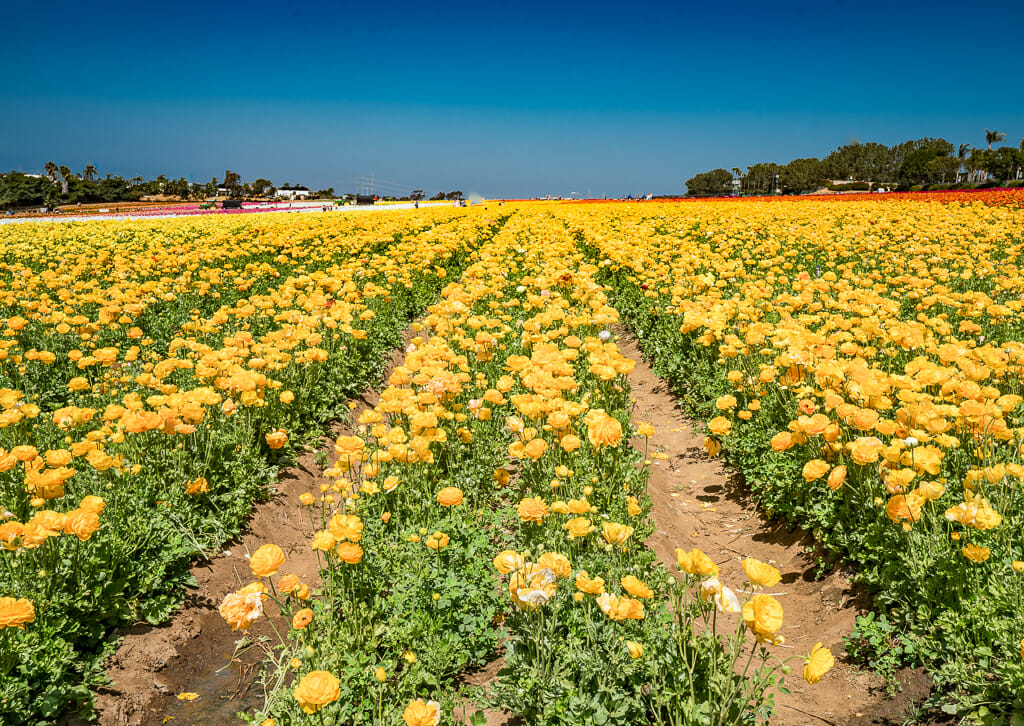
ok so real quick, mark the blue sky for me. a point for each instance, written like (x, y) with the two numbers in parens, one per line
(509, 99)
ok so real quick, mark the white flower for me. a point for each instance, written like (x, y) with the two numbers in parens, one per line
(533, 597)
(604, 335)
(911, 441)
(521, 288)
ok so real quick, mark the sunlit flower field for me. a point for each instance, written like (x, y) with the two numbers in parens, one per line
(858, 361)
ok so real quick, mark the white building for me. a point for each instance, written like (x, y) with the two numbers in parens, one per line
(289, 192)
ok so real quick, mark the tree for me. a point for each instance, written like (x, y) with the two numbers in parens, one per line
(417, 195)
(89, 172)
(716, 182)
(232, 182)
(438, 197)
(993, 137)
(1003, 163)
(51, 170)
(760, 178)
(455, 195)
(327, 193)
(65, 180)
(261, 186)
(940, 168)
(801, 175)
(21, 190)
(916, 155)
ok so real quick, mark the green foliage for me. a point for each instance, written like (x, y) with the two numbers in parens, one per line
(717, 182)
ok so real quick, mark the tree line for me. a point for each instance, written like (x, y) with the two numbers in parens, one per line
(60, 185)
(911, 165)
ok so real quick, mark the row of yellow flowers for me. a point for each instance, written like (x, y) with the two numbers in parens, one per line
(508, 418)
(863, 365)
(141, 366)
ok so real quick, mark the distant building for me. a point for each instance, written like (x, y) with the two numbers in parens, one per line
(290, 192)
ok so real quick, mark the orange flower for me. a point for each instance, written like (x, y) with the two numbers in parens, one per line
(81, 523)
(345, 527)
(508, 561)
(720, 426)
(267, 560)
(815, 469)
(591, 586)
(603, 430)
(449, 497)
(620, 608)
(276, 439)
(636, 587)
(836, 478)
(532, 509)
(302, 618)
(349, 552)
(240, 609)
(15, 613)
(975, 553)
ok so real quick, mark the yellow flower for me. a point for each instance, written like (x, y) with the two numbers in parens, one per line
(316, 690)
(276, 439)
(636, 651)
(437, 541)
(380, 675)
(763, 615)
(615, 533)
(696, 562)
(976, 553)
(636, 587)
(420, 713)
(14, 613)
(761, 573)
(508, 561)
(818, 663)
(591, 586)
(620, 608)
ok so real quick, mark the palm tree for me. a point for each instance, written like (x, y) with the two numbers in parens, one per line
(65, 174)
(51, 169)
(89, 172)
(993, 137)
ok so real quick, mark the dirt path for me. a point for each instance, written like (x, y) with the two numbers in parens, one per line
(701, 503)
(196, 651)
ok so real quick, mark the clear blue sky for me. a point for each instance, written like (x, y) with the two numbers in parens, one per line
(509, 99)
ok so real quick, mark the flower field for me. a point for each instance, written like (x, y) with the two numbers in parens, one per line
(859, 362)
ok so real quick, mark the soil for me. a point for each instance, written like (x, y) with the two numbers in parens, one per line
(701, 503)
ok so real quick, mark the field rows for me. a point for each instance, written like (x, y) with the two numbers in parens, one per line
(860, 363)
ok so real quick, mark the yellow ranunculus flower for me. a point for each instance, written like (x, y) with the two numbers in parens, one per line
(315, 690)
(818, 663)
